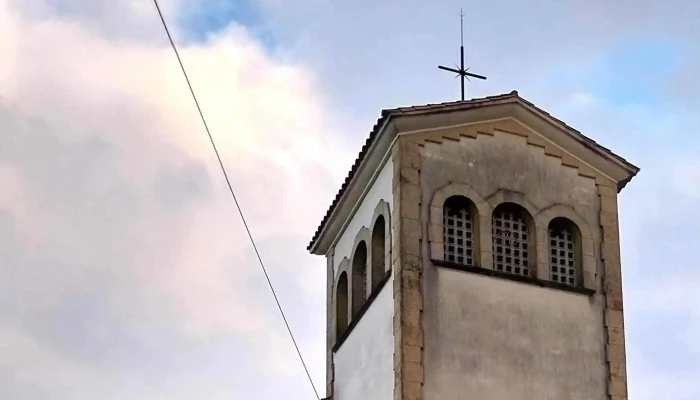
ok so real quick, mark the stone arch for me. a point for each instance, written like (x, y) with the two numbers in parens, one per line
(358, 271)
(341, 299)
(481, 211)
(342, 308)
(494, 200)
(359, 277)
(380, 248)
(460, 231)
(514, 240)
(509, 196)
(587, 242)
(564, 252)
(344, 265)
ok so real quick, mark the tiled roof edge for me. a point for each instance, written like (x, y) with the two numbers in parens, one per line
(447, 106)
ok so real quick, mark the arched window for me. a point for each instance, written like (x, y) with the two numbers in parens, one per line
(512, 239)
(359, 278)
(341, 305)
(564, 249)
(458, 230)
(378, 251)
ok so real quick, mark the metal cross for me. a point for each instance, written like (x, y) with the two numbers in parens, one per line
(461, 72)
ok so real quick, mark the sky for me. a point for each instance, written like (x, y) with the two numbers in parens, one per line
(125, 270)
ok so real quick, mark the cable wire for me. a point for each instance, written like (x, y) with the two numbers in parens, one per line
(233, 195)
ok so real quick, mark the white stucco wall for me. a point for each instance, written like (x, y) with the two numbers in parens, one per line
(380, 190)
(496, 339)
(364, 362)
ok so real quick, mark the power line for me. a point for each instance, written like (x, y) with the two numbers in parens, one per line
(233, 195)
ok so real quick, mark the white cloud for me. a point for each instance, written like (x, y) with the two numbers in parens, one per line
(126, 272)
(120, 218)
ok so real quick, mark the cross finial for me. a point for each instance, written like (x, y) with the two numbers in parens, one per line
(461, 26)
(461, 72)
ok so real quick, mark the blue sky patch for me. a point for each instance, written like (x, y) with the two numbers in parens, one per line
(663, 340)
(634, 72)
(212, 16)
(629, 73)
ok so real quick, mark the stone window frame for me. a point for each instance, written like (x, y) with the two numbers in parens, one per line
(343, 268)
(540, 217)
(587, 263)
(436, 226)
(564, 244)
(524, 212)
(381, 210)
(503, 196)
(469, 231)
(363, 237)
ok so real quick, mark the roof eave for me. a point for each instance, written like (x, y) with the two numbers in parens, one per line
(314, 247)
(633, 172)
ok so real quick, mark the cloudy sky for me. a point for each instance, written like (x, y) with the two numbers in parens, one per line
(125, 272)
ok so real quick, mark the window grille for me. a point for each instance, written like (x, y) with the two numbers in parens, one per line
(458, 234)
(511, 253)
(562, 260)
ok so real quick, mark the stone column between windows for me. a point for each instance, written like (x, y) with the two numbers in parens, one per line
(330, 322)
(407, 267)
(612, 287)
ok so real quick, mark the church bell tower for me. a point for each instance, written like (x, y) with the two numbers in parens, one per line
(473, 253)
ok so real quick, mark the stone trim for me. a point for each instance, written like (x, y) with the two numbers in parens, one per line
(363, 235)
(382, 209)
(588, 253)
(540, 219)
(330, 321)
(513, 277)
(343, 266)
(508, 196)
(502, 196)
(512, 126)
(408, 267)
(612, 287)
(435, 225)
